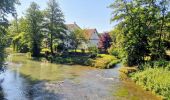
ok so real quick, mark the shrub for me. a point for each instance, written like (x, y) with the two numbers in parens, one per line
(105, 61)
(127, 70)
(72, 60)
(155, 64)
(117, 52)
(93, 49)
(154, 79)
(93, 55)
(113, 63)
(113, 51)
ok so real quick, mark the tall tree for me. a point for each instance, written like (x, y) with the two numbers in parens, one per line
(6, 7)
(34, 18)
(142, 23)
(54, 22)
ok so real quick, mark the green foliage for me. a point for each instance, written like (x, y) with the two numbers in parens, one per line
(2, 44)
(45, 50)
(61, 47)
(117, 52)
(76, 38)
(156, 64)
(20, 43)
(34, 17)
(18, 35)
(54, 23)
(105, 61)
(154, 79)
(93, 50)
(113, 63)
(81, 60)
(6, 7)
(141, 29)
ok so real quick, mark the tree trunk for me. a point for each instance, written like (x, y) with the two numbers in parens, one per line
(51, 44)
(75, 50)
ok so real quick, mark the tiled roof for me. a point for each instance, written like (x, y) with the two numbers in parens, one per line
(89, 33)
(72, 27)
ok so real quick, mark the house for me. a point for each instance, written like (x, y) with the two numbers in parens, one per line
(70, 28)
(90, 34)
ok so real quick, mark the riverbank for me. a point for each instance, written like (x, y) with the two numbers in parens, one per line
(59, 81)
(102, 61)
(156, 80)
(154, 77)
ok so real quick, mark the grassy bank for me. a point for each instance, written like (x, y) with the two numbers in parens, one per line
(72, 60)
(154, 77)
(156, 80)
(99, 61)
(104, 61)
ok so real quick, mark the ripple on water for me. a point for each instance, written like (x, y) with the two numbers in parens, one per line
(65, 82)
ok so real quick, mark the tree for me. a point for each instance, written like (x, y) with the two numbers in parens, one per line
(142, 25)
(77, 38)
(18, 35)
(34, 17)
(104, 42)
(6, 7)
(117, 36)
(54, 22)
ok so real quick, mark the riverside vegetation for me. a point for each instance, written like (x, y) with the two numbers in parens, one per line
(141, 38)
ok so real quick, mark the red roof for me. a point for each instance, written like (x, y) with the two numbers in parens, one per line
(89, 33)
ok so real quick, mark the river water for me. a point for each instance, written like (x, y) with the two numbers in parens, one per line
(26, 79)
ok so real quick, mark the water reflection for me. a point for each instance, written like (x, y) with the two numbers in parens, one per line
(25, 79)
(1, 93)
(14, 86)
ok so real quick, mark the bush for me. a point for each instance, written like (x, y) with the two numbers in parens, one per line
(113, 63)
(155, 64)
(117, 52)
(93, 56)
(128, 70)
(113, 51)
(154, 79)
(73, 60)
(105, 61)
(93, 49)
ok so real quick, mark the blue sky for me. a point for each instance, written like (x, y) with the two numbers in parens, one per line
(86, 13)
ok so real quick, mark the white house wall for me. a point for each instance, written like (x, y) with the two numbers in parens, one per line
(94, 40)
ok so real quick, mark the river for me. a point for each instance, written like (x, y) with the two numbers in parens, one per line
(25, 79)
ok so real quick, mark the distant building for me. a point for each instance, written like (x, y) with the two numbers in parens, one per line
(90, 34)
(93, 36)
(70, 28)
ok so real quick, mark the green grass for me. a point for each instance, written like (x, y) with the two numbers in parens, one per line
(121, 93)
(156, 80)
(101, 61)
(79, 51)
(73, 60)
(105, 61)
(128, 70)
